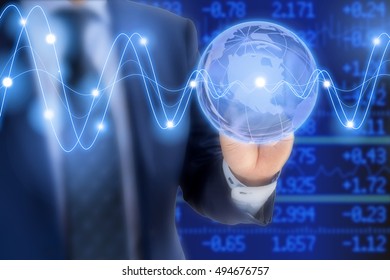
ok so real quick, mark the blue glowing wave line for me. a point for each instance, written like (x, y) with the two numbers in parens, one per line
(152, 86)
(181, 104)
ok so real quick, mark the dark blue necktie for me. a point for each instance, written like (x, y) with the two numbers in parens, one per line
(94, 200)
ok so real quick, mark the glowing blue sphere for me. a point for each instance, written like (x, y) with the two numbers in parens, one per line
(258, 82)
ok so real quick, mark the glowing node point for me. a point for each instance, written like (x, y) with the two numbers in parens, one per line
(170, 124)
(327, 84)
(23, 22)
(350, 124)
(48, 114)
(193, 84)
(376, 41)
(50, 39)
(100, 126)
(95, 93)
(260, 82)
(7, 82)
(143, 41)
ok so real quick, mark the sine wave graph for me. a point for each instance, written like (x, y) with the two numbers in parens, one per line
(350, 116)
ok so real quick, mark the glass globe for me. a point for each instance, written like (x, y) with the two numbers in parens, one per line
(258, 82)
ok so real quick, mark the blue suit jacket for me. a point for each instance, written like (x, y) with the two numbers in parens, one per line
(188, 156)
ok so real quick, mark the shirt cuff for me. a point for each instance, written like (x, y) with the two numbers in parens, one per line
(248, 199)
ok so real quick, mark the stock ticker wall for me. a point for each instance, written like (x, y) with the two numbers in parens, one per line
(333, 196)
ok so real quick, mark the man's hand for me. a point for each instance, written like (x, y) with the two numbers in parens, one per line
(256, 165)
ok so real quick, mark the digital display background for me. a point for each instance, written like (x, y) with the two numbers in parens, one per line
(333, 195)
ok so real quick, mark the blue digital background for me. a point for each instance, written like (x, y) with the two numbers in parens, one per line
(333, 195)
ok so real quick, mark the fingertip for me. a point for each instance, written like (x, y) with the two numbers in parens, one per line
(289, 136)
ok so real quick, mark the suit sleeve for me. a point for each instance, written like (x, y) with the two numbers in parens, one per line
(203, 181)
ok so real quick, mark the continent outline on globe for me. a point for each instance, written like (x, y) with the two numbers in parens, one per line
(257, 82)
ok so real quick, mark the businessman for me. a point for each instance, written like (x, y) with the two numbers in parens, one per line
(117, 199)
